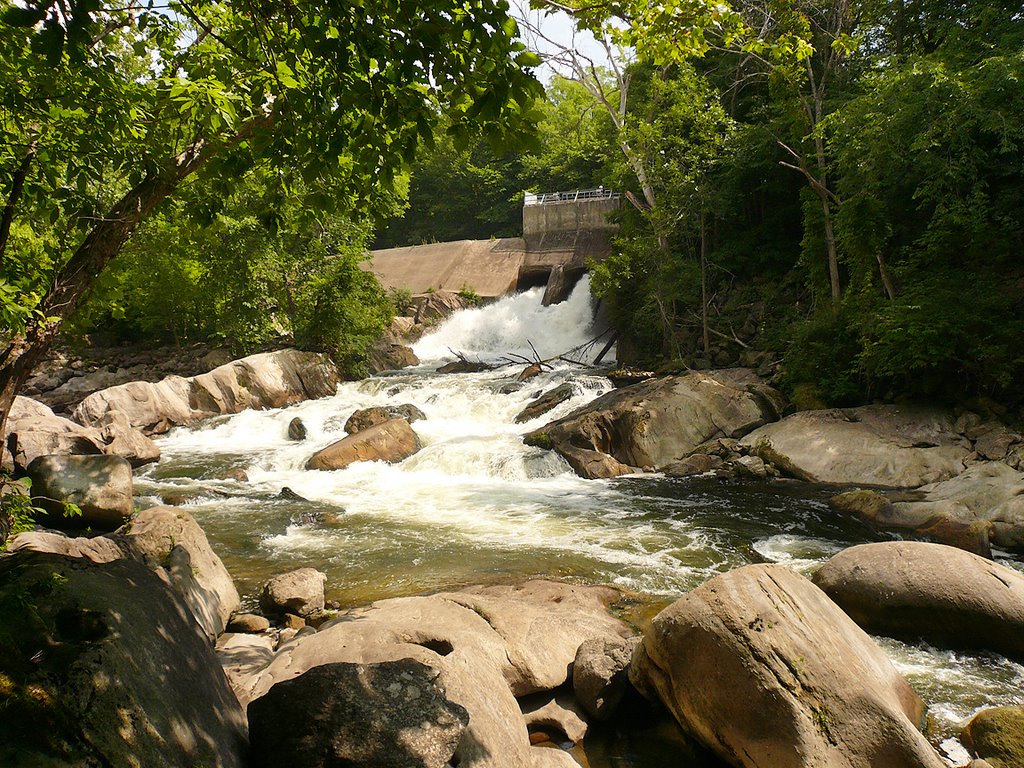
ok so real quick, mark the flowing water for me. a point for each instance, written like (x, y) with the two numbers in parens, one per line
(475, 505)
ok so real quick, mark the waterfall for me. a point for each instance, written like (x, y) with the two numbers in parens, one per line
(511, 324)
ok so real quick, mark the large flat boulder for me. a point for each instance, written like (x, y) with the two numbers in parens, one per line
(766, 671)
(490, 644)
(884, 445)
(105, 666)
(391, 441)
(942, 594)
(658, 422)
(266, 380)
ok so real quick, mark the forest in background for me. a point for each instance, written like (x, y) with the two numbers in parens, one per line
(837, 185)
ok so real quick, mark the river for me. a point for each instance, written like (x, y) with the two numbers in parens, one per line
(475, 505)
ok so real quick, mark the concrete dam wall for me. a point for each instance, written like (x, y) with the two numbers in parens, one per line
(561, 232)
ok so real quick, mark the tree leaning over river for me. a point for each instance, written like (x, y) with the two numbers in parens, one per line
(110, 109)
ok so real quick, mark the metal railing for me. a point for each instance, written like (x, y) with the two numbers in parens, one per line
(533, 198)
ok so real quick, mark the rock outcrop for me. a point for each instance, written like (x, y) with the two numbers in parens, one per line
(388, 714)
(166, 540)
(883, 445)
(106, 666)
(101, 486)
(391, 441)
(33, 430)
(766, 671)
(658, 422)
(942, 594)
(490, 645)
(266, 380)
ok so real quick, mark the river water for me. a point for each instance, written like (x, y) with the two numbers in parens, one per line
(475, 505)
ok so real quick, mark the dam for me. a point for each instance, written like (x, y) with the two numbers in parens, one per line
(562, 232)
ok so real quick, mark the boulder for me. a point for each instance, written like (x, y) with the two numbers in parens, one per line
(555, 715)
(33, 430)
(884, 445)
(391, 714)
(766, 671)
(300, 592)
(266, 380)
(659, 422)
(465, 366)
(364, 418)
(170, 539)
(546, 402)
(101, 486)
(997, 736)
(388, 355)
(490, 645)
(105, 666)
(942, 594)
(390, 441)
(122, 439)
(296, 430)
(248, 623)
(600, 674)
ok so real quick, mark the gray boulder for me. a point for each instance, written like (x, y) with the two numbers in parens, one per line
(389, 715)
(766, 671)
(390, 441)
(659, 422)
(101, 486)
(299, 592)
(546, 402)
(884, 445)
(365, 418)
(33, 430)
(600, 676)
(296, 430)
(266, 380)
(105, 666)
(942, 594)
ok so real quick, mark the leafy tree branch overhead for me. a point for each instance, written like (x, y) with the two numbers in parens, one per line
(109, 109)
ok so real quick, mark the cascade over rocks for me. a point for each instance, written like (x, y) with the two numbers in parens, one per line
(885, 445)
(109, 668)
(391, 441)
(391, 714)
(766, 671)
(658, 422)
(266, 380)
(490, 644)
(101, 486)
(942, 594)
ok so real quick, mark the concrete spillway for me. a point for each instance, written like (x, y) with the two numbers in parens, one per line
(559, 238)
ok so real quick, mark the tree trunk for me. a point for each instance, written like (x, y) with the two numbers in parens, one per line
(14, 197)
(887, 283)
(833, 253)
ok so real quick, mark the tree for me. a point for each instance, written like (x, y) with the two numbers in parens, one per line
(110, 109)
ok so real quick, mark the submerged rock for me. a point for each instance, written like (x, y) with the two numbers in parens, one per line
(390, 441)
(546, 402)
(915, 589)
(296, 430)
(659, 422)
(765, 670)
(388, 714)
(884, 445)
(108, 667)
